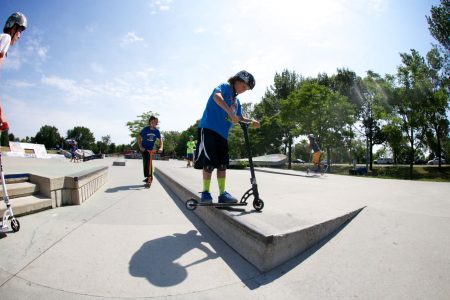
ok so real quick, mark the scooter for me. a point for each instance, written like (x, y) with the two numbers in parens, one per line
(8, 214)
(323, 168)
(148, 183)
(258, 203)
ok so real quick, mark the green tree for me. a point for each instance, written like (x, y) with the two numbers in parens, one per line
(49, 136)
(84, 137)
(171, 141)
(412, 98)
(439, 23)
(317, 109)
(276, 130)
(436, 110)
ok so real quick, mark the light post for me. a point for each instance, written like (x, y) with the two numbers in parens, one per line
(367, 148)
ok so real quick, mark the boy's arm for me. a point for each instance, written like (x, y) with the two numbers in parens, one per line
(219, 101)
(139, 141)
(161, 145)
(3, 124)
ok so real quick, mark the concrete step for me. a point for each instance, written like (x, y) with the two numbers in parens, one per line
(20, 189)
(27, 205)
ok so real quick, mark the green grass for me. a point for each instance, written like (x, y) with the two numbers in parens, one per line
(424, 173)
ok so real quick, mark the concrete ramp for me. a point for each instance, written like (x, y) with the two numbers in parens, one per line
(277, 233)
(270, 160)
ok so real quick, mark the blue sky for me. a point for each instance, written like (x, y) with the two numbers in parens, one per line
(100, 63)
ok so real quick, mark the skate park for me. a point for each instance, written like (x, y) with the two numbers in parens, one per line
(325, 236)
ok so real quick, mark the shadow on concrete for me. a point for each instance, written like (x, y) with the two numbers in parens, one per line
(125, 188)
(155, 260)
(247, 273)
(240, 266)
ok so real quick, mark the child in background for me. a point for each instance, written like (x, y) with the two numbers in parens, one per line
(146, 141)
(190, 150)
(316, 155)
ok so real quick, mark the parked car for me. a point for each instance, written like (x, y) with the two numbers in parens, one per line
(420, 161)
(133, 155)
(435, 161)
(383, 161)
(300, 161)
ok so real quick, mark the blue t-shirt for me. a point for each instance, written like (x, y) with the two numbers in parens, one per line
(149, 136)
(214, 117)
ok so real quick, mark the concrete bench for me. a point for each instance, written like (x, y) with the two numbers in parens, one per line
(73, 189)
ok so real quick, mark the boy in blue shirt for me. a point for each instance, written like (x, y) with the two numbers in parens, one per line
(223, 109)
(146, 141)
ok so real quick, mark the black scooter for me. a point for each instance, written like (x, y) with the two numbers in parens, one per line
(258, 203)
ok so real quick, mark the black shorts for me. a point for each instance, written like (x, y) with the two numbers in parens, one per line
(211, 150)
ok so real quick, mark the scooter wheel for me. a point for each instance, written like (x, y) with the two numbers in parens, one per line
(258, 204)
(191, 204)
(15, 225)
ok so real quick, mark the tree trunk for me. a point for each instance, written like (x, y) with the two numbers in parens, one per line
(289, 154)
(411, 165)
(329, 158)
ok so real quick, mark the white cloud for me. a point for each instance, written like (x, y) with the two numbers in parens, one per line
(130, 38)
(378, 5)
(160, 5)
(199, 30)
(19, 84)
(71, 87)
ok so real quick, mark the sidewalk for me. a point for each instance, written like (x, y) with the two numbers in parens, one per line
(127, 242)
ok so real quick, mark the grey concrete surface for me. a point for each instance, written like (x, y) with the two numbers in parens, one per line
(127, 242)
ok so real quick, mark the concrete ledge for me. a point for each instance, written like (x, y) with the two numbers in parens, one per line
(264, 251)
(73, 189)
(80, 186)
(119, 163)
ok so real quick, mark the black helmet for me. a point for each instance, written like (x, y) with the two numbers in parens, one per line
(16, 18)
(247, 78)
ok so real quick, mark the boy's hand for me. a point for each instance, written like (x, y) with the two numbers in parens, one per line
(4, 126)
(160, 150)
(233, 118)
(255, 124)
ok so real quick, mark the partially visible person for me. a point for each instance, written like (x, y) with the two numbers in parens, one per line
(73, 152)
(15, 24)
(190, 145)
(316, 151)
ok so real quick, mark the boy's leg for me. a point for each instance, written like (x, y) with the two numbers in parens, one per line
(150, 165)
(145, 162)
(205, 159)
(223, 162)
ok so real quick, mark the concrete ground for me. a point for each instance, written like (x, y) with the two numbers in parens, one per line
(127, 242)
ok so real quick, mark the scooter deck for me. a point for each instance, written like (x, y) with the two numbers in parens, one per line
(222, 204)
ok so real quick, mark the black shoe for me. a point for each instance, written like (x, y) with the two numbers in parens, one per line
(145, 179)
